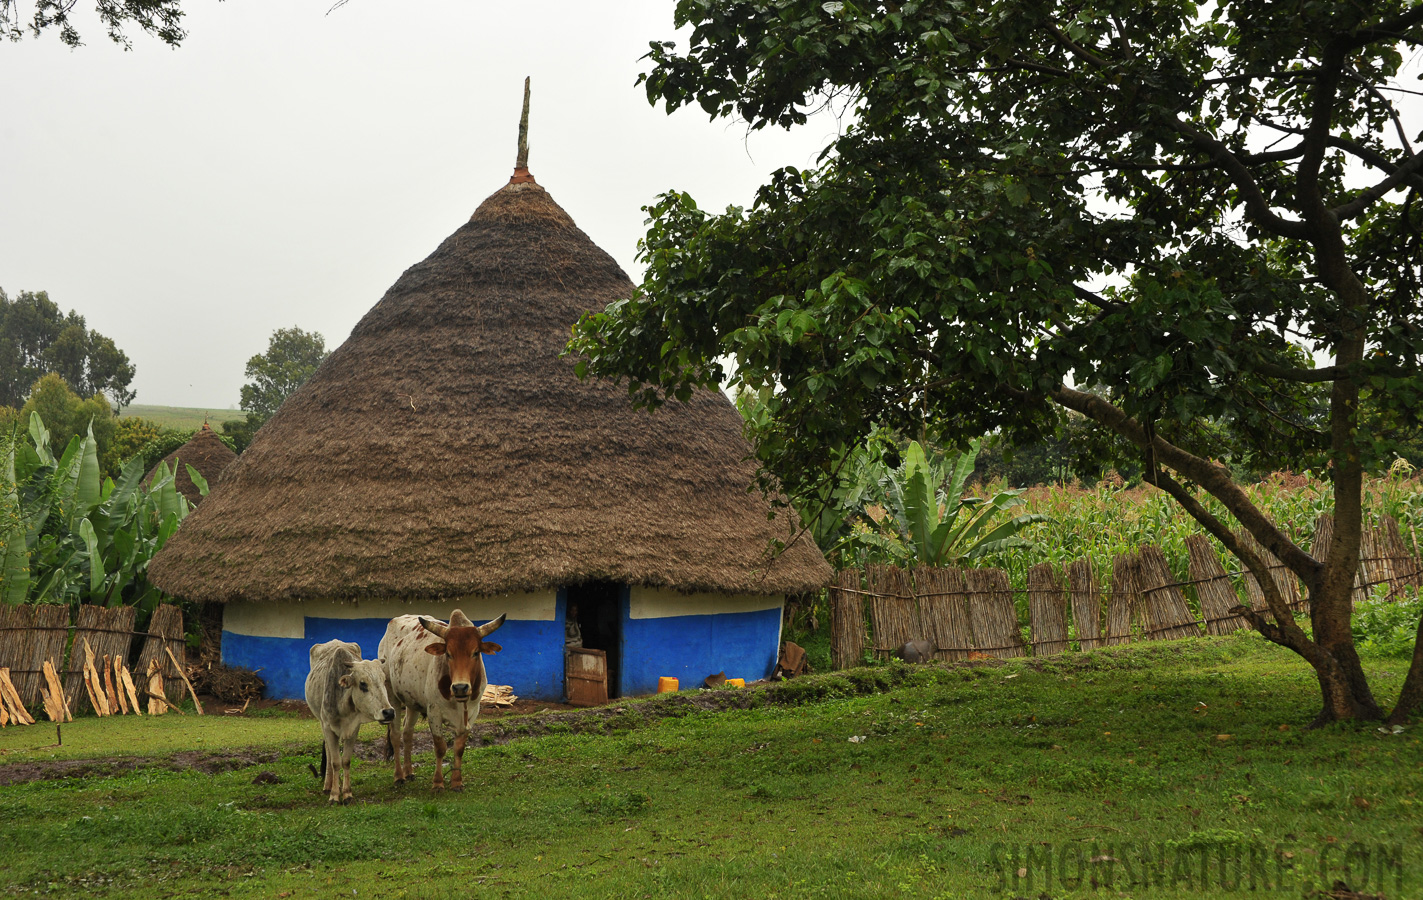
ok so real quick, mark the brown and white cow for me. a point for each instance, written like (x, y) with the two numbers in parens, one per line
(343, 691)
(435, 669)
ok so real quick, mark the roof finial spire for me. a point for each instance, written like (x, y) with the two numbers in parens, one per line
(521, 163)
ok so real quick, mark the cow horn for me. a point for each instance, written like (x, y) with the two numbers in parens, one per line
(489, 628)
(460, 620)
(434, 626)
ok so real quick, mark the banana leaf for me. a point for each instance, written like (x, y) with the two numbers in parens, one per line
(15, 558)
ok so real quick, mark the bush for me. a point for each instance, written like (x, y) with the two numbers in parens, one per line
(1387, 627)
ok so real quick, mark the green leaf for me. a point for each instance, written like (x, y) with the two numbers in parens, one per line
(199, 481)
(89, 482)
(96, 561)
(14, 557)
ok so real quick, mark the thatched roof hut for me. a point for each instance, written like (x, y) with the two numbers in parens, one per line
(205, 452)
(445, 449)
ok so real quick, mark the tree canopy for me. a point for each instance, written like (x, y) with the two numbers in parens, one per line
(1153, 215)
(291, 358)
(160, 18)
(37, 339)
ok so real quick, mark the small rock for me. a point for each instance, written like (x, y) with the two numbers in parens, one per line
(267, 778)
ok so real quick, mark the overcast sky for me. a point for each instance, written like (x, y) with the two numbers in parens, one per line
(284, 166)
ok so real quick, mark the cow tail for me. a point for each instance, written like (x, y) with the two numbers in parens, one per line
(389, 745)
(322, 771)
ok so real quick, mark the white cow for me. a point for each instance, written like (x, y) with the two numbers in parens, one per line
(343, 692)
(435, 669)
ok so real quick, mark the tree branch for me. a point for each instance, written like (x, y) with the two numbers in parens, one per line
(1256, 205)
(1397, 178)
(1214, 478)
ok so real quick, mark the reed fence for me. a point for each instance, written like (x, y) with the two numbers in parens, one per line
(31, 635)
(973, 613)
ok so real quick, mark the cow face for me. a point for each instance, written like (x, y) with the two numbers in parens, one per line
(366, 680)
(463, 647)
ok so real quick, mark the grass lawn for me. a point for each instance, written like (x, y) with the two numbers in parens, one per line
(1164, 763)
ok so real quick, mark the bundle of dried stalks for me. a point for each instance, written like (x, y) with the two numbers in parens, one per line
(29, 635)
(1407, 566)
(1213, 587)
(1123, 599)
(109, 632)
(1319, 549)
(165, 627)
(1165, 613)
(894, 611)
(1086, 594)
(1284, 579)
(1047, 610)
(847, 620)
(943, 600)
(996, 631)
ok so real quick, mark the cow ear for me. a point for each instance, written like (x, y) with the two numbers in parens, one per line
(489, 647)
(345, 681)
(435, 649)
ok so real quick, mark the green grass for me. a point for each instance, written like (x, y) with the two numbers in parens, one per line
(961, 774)
(182, 416)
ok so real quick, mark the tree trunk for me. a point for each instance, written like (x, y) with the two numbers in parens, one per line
(1411, 696)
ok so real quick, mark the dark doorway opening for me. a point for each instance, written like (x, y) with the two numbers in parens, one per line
(597, 607)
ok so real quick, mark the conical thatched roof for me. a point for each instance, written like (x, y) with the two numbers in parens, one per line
(445, 450)
(205, 452)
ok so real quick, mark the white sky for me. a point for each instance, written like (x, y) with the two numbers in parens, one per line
(284, 166)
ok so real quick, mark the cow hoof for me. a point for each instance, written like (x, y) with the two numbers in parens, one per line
(346, 801)
(457, 787)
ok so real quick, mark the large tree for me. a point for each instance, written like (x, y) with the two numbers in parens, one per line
(291, 358)
(37, 339)
(1176, 206)
(160, 18)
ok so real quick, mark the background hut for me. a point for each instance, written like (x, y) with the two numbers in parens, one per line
(205, 452)
(445, 456)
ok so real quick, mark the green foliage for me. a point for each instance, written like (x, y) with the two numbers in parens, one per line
(37, 339)
(159, 18)
(72, 536)
(1385, 627)
(241, 431)
(291, 358)
(69, 416)
(131, 435)
(923, 517)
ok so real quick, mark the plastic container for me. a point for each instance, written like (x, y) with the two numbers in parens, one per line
(666, 685)
(736, 682)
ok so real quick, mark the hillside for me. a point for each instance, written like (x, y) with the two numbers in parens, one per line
(182, 416)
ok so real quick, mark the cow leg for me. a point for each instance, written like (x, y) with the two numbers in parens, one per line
(440, 748)
(395, 737)
(346, 754)
(457, 763)
(408, 741)
(332, 784)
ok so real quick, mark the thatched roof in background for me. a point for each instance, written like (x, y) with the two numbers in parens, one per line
(205, 452)
(445, 450)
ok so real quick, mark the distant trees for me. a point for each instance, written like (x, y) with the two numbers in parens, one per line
(37, 339)
(291, 358)
(70, 415)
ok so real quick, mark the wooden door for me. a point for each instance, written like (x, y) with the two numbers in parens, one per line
(586, 676)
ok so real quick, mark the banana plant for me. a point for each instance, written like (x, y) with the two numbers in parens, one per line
(70, 536)
(925, 519)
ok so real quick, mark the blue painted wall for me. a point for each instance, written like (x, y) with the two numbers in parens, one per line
(688, 648)
(531, 661)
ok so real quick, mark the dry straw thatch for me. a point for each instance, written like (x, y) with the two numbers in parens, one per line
(446, 450)
(205, 452)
